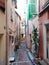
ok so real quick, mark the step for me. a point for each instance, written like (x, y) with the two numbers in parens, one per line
(43, 62)
(47, 61)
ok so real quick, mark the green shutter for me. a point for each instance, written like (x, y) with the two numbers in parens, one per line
(32, 9)
(32, 1)
(14, 0)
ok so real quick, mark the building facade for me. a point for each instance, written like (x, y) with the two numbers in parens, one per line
(2, 33)
(11, 28)
(22, 29)
(44, 29)
(18, 22)
(13, 20)
(33, 22)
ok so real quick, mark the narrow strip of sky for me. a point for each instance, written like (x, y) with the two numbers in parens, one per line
(21, 4)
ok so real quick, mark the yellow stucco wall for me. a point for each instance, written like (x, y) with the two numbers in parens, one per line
(2, 22)
(2, 38)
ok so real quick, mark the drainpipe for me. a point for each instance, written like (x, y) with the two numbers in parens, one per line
(39, 6)
(6, 36)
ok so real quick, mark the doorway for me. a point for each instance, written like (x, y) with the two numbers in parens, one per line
(1, 46)
(46, 41)
(47, 32)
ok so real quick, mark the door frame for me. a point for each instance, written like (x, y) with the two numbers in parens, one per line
(45, 40)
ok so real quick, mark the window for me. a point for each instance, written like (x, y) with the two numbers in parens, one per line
(32, 9)
(44, 1)
(15, 1)
(11, 39)
(11, 12)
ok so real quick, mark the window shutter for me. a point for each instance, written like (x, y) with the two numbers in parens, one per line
(32, 9)
(14, 0)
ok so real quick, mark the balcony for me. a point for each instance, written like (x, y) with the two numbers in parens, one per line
(46, 4)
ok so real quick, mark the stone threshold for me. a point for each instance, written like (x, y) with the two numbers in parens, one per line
(46, 61)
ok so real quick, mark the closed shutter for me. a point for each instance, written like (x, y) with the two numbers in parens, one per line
(32, 9)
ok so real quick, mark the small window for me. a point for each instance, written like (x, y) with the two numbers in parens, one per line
(15, 1)
(11, 12)
(45, 1)
(15, 39)
(11, 39)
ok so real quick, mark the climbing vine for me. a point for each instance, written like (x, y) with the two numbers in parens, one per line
(35, 39)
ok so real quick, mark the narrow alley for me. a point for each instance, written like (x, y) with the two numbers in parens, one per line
(24, 32)
(21, 56)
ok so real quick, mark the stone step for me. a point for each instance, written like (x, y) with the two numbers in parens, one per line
(43, 62)
(47, 61)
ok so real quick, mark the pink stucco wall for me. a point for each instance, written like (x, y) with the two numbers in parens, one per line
(30, 29)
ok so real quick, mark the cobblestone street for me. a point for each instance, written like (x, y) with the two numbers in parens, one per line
(22, 57)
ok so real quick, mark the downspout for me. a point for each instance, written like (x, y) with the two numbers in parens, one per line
(39, 5)
(6, 37)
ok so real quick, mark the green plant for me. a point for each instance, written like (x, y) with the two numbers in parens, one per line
(35, 39)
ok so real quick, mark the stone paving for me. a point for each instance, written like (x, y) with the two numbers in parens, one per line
(22, 56)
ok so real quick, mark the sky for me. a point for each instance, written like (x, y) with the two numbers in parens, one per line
(21, 4)
(21, 7)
